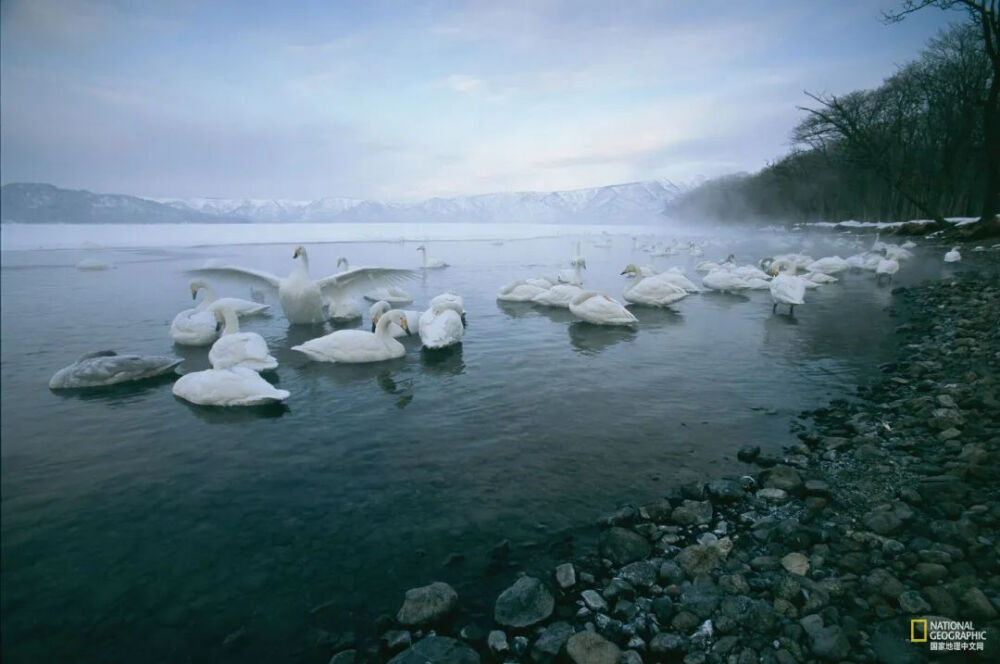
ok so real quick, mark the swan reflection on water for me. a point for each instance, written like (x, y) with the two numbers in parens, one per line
(121, 394)
(593, 339)
(443, 361)
(227, 415)
(518, 309)
(402, 390)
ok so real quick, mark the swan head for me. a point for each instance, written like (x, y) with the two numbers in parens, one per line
(377, 310)
(341, 261)
(731, 258)
(399, 318)
(299, 251)
(421, 248)
(631, 269)
(196, 286)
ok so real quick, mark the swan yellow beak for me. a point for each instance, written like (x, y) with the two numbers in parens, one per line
(406, 326)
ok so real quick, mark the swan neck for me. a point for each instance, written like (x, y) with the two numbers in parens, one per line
(232, 323)
(423, 252)
(382, 327)
(210, 295)
(304, 266)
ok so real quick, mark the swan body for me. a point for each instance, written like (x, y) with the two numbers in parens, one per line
(650, 291)
(787, 289)
(382, 307)
(212, 302)
(541, 282)
(238, 386)
(559, 295)
(820, 278)
(191, 327)
(239, 349)
(443, 324)
(107, 367)
(886, 267)
(952, 256)
(706, 266)
(430, 263)
(519, 291)
(358, 346)
(305, 300)
(828, 265)
(573, 275)
(724, 281)
(390, 295)
(600, 309)
(909, 244)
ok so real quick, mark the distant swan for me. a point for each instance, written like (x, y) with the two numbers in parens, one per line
(787, 289)
(430, 263)
(653, 291)
(356, 346)
(559, 295)
(93, 265)
(391, 295)
(519, 291)
(886, 267)
(828, 265)
(600, 309)
(212, 302)
(227, 387)
(952, 256)
(239, 349)
(106, 367)
(303, 299)
(573, 276)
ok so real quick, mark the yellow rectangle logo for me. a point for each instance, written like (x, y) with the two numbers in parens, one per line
(918, 622)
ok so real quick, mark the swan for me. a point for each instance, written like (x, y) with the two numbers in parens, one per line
(391, 295)
(454, 298)
(211, 302)
(600, 309)
(651, 291)
(191, 327)
(443, 324)
(106, 367)
(239, 349)
(227, 387)
(952, 256)
(886, 267)
(828, 265)
(573, 276)
(519, 291)
(909, 244)
(787, 289)
(430, 263)
(304, 299)
(557, 296)
(382, 307)
(541, 282)
(353, 346)
(820, 278)
(724, 281)
(93, 265)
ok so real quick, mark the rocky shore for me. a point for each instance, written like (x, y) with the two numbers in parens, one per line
(886, 509)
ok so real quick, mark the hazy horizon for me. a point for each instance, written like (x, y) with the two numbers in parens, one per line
(403, 103)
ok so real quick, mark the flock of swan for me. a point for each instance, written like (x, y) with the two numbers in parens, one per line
(237, 357)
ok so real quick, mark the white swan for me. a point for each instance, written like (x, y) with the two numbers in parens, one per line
(600, 309)
(886, 267)
(519, 291)
(953, 256)
(654, 291)
(557, 296)
(227, 387)
(787, 289)
(239, 349)
(542, 282)
(443, 324)
(391, 295)
(304, 299)
(828, 265)
(430, 263)
(191, 327)
(820, 278)
(382, 307)
(212, 302)
(354, 346)
(106, 367)
(573, 275)
(724, 281)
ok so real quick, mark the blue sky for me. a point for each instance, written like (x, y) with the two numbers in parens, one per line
(407, 100)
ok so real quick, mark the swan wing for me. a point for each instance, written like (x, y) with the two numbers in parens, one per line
(359, 280)
(227, 387)
(246, 274)
(98, 370)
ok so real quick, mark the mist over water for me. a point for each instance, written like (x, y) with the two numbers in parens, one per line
(138, 527)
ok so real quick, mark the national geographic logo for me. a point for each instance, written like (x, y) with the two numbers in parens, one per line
(949, 635)
(918, 630)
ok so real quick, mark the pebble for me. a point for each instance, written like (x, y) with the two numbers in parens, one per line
(566, 575)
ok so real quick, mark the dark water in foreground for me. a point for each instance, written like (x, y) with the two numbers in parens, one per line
(138, 528)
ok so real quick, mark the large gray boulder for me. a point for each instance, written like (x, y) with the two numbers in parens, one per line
(427, 604)
(525, 603)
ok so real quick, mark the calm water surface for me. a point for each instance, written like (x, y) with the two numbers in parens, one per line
(136, 527)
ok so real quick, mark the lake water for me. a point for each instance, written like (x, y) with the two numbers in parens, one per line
(136, 527)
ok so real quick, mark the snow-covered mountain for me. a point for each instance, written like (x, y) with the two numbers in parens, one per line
(620, 203)
(635, 202)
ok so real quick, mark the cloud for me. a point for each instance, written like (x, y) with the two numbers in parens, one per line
(465, 84)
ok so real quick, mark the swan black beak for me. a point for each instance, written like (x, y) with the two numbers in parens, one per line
(464, 323)
(218, 327)
(373, 326)
(623, 272)
(194, 294)
(408, 333)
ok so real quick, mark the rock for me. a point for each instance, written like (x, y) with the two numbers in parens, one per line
(734, 584)
(882, 581)
(396, 639)
(497, 642)
(437, 650)
(525, 603)
(640, 573)
(593, 600)
(949, 434)
(520, 645)
(913, 603)
(685, 622)
(698, 559)
(725, 491)
(344, 657)
(795, 563)
(817, 487)
(592, 648)
(785, 478)
(978, 605)
(566, 575)
(748, 453)
(692, 513)
(551, 641)
(828, 643)
(663, 608)
(630, 657)
(701, 597)
(883, 522)
(773, 495)
(665, 643)
(930, 573)
(427, 604)
(622, 546)
(671, 572)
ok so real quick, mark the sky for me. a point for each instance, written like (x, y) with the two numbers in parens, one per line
(403, 101)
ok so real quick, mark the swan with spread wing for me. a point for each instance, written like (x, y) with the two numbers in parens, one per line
(304, 299)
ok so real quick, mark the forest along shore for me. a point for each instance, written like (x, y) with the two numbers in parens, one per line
(887, 510)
